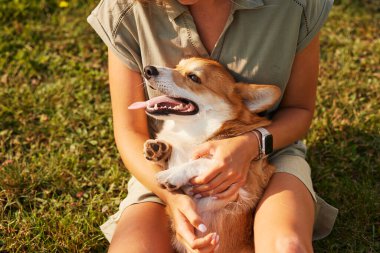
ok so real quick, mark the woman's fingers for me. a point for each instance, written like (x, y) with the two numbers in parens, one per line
(206, 149)
(206, 244)
(193, 217)
(183, 227)
(220, 164)
(203, 150)
(230, 192)
(186, 218)
(219, 189)
(207, 176)
(219, 183)
(210, 186)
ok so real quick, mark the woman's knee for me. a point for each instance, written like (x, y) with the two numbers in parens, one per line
(139, 226)
(285, 216)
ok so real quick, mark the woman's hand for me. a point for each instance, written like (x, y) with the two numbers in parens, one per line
(232, 158)
(186, 220)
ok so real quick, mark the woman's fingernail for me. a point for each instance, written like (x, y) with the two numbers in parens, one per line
(214, 238)
(214, 197)
(198, 196)
(217, 238)
(202, 228)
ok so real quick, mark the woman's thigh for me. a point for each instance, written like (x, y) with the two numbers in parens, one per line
(142, 228)
(284, 217)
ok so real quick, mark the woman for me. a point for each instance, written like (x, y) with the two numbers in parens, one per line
(259, 41)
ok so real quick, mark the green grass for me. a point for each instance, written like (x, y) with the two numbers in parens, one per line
(61, 176)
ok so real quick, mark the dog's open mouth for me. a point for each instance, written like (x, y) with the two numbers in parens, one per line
(165, 105)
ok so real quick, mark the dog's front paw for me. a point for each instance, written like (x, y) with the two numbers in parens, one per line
(157, 151)
(170, 181)
(162, 178)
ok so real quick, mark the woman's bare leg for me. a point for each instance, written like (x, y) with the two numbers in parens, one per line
(284, 217)
(143, 228)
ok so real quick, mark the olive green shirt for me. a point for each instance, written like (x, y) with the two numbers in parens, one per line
(258, 44)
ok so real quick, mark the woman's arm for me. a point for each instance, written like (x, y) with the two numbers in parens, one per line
(131, 131)
(130, 126)
(293, 118)
(290, 123)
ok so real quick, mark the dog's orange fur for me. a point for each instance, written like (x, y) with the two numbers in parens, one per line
(234, 223)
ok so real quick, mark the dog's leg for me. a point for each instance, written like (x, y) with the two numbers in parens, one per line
(157, 151)
(176, 177)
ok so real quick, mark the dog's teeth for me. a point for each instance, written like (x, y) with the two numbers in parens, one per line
(155, 107)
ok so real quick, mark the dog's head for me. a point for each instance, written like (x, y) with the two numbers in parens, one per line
(200, 86)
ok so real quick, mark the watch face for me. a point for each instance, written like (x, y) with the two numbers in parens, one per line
(268, 144)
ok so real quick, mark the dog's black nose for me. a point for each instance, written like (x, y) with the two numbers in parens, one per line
(150, 71)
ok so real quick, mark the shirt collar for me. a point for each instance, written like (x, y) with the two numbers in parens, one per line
(247, 4)
(175, 9)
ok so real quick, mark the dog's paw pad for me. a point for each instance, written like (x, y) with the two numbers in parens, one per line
(164, 179)
(156, 150)
(171, 187)
(168, 186)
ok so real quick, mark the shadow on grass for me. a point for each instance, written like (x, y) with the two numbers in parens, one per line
(363, 5)
(346, 172)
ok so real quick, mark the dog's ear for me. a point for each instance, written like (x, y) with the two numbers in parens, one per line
(258, 97)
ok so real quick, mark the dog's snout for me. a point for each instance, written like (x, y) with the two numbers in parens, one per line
(150, 71)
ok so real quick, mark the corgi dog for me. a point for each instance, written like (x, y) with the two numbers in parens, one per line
(201, 102)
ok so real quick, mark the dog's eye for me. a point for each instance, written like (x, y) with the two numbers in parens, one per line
(194, 78)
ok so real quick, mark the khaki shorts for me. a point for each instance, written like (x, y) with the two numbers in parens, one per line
(288, 160)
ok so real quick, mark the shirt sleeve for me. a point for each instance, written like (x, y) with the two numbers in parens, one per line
(315, 13)
(114, 22)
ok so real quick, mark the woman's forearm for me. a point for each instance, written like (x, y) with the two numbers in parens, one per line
(130, 127)
(289, 125)
(130, 145)
(293, 118)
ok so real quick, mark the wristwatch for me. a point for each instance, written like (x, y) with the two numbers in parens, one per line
(266, 141)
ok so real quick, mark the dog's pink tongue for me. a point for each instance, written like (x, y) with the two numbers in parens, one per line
(151, 102)
(138, 105)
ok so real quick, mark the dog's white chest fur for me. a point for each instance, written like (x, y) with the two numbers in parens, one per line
(184, 137)
(182, 167)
